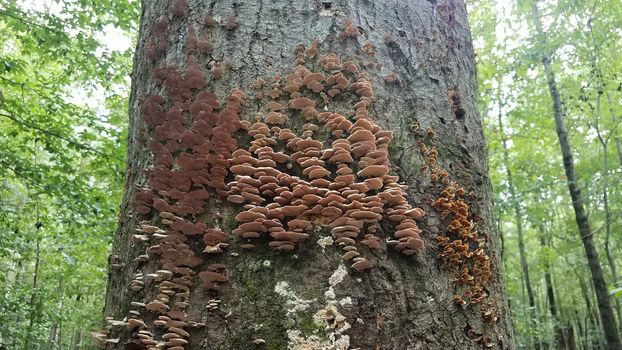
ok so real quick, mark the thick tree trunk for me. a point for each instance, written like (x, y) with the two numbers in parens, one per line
(406, 67)
(600, 286)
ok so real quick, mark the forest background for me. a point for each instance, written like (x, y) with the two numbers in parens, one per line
(64, 86)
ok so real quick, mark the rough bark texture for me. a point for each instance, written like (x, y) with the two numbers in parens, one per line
(600, 286)
(296, 299)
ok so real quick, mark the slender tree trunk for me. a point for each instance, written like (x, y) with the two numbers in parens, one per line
(558, 329)
(600, 286)
(519, 227)
(52, 337)
(203, 247)
(570, 338)
(33, 298)
(604, 141)
(61, 302)
(77, 340)
(501, 239)
(619, 150)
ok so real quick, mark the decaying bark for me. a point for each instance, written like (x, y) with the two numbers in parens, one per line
(414, 72)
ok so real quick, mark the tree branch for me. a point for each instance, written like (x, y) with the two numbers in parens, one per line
(54, 134)
(17, 18)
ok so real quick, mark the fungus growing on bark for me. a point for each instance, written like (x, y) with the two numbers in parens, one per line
(161, 28)
(350, 30)
(362, 264)
(391, 78)
(275, 118)
(178, 8)
(142, 201)
(369, 49)
(462, 249)
(216, 70)
(301, 103)
(350, 67)
(205, 45)
(230, 22)
(284, 184)
(135, 323)
(312, 50)
(210, 21)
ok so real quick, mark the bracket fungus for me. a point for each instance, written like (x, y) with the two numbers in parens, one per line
(463, 248)
(331, 176)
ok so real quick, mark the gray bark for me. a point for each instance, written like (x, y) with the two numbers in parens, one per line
(600, 287)
(402, 302)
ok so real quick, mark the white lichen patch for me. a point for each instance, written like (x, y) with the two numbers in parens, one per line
(338, 275)
(292, 302)
(334, 279)
(330, 294)
(329, 317)
(296, 341)
(325, 242)
(345, 301)
(342, 343)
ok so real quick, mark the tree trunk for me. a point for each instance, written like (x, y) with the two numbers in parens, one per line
(619, 150)
(518, 217)
(558, 329)
(604, 142)
(240, 232)
(600, 286)
(33, 297)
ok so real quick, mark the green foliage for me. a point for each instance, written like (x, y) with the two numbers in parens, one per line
(585, 43)
(63, 102)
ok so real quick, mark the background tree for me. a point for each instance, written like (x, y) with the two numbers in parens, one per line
(508, 66)
(268, 204)
(585, 231)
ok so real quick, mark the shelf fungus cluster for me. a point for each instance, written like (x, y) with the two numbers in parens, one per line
(463, 249)
(308, 168)
(332, 174)
(191, 135)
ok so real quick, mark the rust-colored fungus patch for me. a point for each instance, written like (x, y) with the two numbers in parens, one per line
(350, 30)
(230, 22)
(463, 248)
(191, 136)
(178, 8)
(291, 183)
